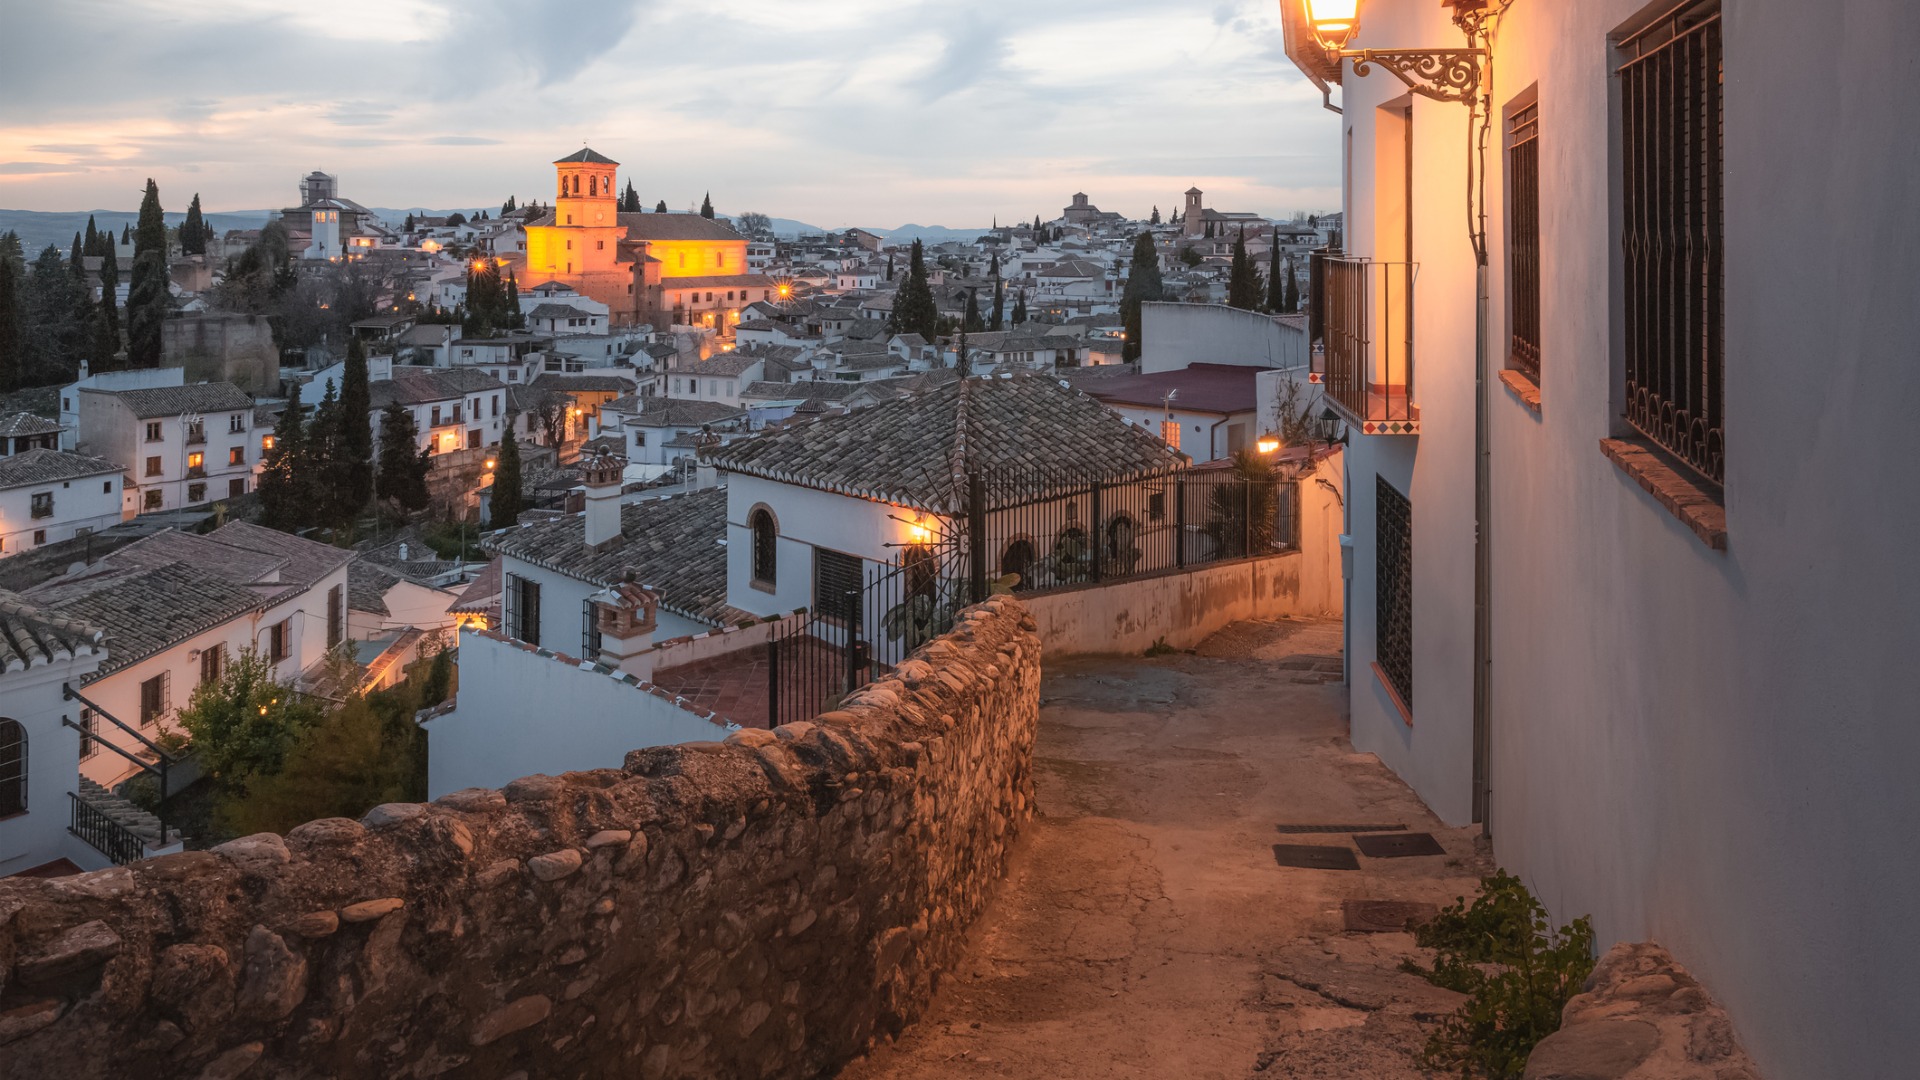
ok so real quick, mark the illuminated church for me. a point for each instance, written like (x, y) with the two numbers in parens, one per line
(647, 268)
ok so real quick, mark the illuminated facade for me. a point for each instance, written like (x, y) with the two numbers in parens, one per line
(645, 267)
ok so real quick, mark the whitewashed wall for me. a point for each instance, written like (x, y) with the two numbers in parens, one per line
(1175, 335)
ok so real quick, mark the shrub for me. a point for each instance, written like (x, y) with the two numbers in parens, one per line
(1516, 971)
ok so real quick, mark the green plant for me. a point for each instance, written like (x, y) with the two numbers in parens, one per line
(1517, 972)
(1160, 648)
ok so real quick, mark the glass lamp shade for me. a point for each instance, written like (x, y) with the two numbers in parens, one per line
(1334, 22)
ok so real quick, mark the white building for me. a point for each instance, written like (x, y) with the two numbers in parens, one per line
(658, 431)
(24, 431)
(1687, 711)
(183, 445)
(453, 408)
(47, 496)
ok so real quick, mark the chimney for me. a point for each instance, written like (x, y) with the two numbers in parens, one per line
(705, 475)
(626, 616)
(602, 474)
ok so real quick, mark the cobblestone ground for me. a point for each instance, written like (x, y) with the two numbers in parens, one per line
(1145, 928)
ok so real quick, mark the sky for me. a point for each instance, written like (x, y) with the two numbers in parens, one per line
(833, 112)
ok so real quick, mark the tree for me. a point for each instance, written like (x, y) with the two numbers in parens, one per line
(110, 287)
(1020, 307)
(1155, 219)
(971, 320)
(77, 265)
(456, 218)
(999, 320)
(630, 200)
(511, 205)
(1242, 517)
(660, 207)
(353, 439)
(486, 300)
(756, 224)
(341, 764)
(551, 410)
(1143, 286)
(889, 266)
(402, 477)
(1243, 281)
(914, 311)
(243, 723)
(407, 225)
(1276, 286)
(12, 363)
(193, 231)
(706, 206)
(1291, 301)
(147, 300)
(92, 245)
(126, 232)
(515, 319)
(508, 499)
(285, 474)
(56, 320)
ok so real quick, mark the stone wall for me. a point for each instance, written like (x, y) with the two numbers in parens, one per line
(762, 907)
(1641, 1016)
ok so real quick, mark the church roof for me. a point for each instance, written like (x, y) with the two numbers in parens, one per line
(676, 227)
(583, 154)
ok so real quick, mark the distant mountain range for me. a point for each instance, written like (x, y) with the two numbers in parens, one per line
(38, 228)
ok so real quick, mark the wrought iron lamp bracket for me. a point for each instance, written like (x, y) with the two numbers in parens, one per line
(1441, 74)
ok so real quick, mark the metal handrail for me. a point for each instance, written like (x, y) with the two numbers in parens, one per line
(158, 769)
(105, 835)
(1367, 323)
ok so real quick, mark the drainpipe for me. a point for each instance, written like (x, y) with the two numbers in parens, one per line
(1482, 560)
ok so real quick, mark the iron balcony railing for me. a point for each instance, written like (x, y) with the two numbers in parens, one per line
(1365, 351)
(105, 835)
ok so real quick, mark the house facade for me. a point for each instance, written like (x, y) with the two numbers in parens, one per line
(47, 496)
(183, 446)
(1681, 710)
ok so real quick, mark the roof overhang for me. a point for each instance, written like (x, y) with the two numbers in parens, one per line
(1320, 67)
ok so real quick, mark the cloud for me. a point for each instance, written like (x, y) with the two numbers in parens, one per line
(832, 111)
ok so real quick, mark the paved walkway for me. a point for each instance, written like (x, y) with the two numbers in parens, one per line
(1145, 929)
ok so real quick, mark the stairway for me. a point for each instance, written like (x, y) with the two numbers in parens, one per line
(126, 815)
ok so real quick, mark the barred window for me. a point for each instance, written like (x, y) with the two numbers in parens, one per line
(13, 767)
(1523, 238)
(1671, 173)
(523, 609)
(836, 586)
(590, 640)
(1393, 588)
(766, 539)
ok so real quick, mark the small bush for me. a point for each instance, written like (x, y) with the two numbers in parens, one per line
(1160, 648)
(1517, 974)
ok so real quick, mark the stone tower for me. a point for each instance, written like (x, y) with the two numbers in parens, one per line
(1194, 218)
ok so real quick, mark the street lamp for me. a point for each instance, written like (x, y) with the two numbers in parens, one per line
(1442, 74)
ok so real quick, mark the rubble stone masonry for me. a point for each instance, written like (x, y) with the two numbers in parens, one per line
(763, 907)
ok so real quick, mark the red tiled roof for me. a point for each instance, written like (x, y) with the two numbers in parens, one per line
(1208, 388)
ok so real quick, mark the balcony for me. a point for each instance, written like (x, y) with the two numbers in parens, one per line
(196, 436)
(1363, 353)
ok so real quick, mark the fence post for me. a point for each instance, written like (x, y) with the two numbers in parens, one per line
(1180, 522)
(856, 626)
(1246, 518)
(773, 682)
(977, 536)
(1094, 528)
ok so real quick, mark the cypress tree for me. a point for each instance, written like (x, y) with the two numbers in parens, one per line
(354, 440)
(1276, 286)
(11, 361)
(407, 226)
(706, 206)
(147, 302)
(660, 207)
(630, 202)
(1243, 281)
(92, 246)
(402, 478)
(105, 341)
(109, 297)
(889, 266)
(126, 231)
(1020, 307)
(972, 320)
(1143, 286)
(999, 321)
(193, 231)
(284, 477)
(1292, 299)
(914, 311)
(508, 500)
(77, 266)
(515, 320)
(1155, 219)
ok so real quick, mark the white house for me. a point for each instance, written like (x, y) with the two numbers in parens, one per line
(654, 428)
(184, 445)
(1208, 411)
(1175, 335)
(49, 495)
(24, 431)
(453, 408)
(719, 378)
(1686, 707)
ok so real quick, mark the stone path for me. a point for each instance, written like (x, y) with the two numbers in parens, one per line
(1145, 929)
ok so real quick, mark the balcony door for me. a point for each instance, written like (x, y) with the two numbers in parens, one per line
(1391, 374)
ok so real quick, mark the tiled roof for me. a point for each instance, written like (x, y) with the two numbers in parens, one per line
(871, 362)
(917, 449)
(160, 401)
(234, 565)
(13, 425)
(826, 390)
(31, 635)
(307, 561)
(43, 466)
(367, 585)
(587, 156)
(718, 281)
(441, 384)
(482, 594)
(145, 610)
(675, 546)
(676, 227)
(557, 311)
(678, 412)
(1210, 388)
(722, 365)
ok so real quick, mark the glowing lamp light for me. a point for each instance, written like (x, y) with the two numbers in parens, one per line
(919, 532)
(1268, 443)
(1334, 22)
(489, 464)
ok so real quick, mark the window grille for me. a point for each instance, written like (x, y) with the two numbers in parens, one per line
(589, 630)
(766, 540)
(1393, 588)
(524, 609)
(836, 586)
(336, 615)
(13, 767)
(89, 733)
(1672, 172)
(1523, 238)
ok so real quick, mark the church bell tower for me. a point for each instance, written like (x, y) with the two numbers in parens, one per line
(586, 198)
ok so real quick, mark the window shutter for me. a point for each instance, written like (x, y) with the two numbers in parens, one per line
(166, 692)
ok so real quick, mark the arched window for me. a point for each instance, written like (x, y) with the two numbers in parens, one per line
(13, 768)
(1122, 553)
(1072, 556)
(576, 185)
(1018, 559)
(766, 540)
(593, 185)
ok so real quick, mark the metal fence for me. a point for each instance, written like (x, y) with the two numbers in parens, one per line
(1025, 531)
(105, 835)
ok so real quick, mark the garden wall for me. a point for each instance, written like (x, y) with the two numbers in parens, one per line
(762, 907)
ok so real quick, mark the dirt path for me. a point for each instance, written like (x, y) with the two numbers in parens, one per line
(1145, 929)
